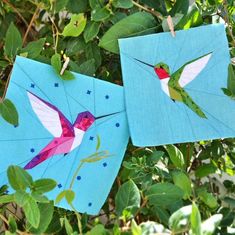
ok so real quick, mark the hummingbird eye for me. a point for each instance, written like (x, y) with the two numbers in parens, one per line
(161, 67)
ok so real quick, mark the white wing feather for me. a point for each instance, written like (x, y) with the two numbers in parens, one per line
(191, 70)
(48, 116)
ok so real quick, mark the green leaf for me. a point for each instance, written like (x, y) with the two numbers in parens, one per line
(31, 211)
(46, 215)
(179, 220)
(9, 112)
(135, 229)
(230, 201)
(58, 5)
(87, 68)
(139, 23)
(183, 181)
(208, 198)
(56, 62)
(6, 198)
(43, 185)
(96, 3)
(91, 31)
(93, 52)
(231, 79)
(100, 14)
(122, 3)
(209, 225)
(76, 26)
(39, 198)
(18, 178)
(176, 156)
(13, 42)
(164, 194)
(181, 6)
(34, 49)
(75, 6)
(127, 196)
(205, 170)
(69, 196)
(12, 224)
(195, 221)
(192, 19)
(21, 197)
(68, 227)
(67, 75)
(98, 229)
(60, 196)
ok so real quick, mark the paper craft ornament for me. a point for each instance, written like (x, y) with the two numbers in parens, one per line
(173, 86)
(74, 132)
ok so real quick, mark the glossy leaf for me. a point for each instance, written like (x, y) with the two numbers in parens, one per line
(56, 62)
(195, 220)
(176, 156)
(13, 42)
(183, 181)
(6, 198)
(180, 6)
(9, 112)
(76, 26)
(100, 14)
(205, 170)
(18, 178)
(164, 194)
(180, 219)
(127, 196)
(44, 185)
(139, 23)
(91, 31)
(33, 49)
(122, 3)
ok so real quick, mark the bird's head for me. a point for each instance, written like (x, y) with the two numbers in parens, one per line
(162, 70)
(84, 120)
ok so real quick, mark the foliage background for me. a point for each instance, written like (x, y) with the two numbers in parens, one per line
(183, 189)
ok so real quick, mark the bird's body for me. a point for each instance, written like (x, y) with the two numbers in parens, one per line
(173, 84)
(67, 136)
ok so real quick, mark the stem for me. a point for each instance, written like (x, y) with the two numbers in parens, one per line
(155, 13)
(226, 19)
(75, 174)
(5, 88)
(16, 11)
(31, 23)
(78, 218)
(56, 33)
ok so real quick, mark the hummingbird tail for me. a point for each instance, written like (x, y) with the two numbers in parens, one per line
(192, 105)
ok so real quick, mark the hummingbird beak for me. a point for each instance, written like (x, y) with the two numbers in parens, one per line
(144, 63)
(103, 116)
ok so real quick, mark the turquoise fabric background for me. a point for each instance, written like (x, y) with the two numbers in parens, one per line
(19, 145)
(153, 118)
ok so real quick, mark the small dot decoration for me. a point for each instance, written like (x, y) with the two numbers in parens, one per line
(56, 84)
(59, 185)
(88, 92)
(117, 124)
(105, 164)
(107, 97)
(32, 85)
(79, 177)
(32, 150)
(91, 138)
(89, 204)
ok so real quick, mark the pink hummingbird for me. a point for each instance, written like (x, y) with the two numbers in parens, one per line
(67, 136)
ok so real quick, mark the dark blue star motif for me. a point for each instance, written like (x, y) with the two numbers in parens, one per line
(32, 150)
(88, 92)
(105, 164)
(59, 185)
(32, 85)
(79, 177)
(91, 138)
(56, 84)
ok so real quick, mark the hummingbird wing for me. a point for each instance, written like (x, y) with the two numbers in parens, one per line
(51, 117)
(56, 146)
(189, 71)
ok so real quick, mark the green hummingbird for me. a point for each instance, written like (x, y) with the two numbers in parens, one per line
(173, 84)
